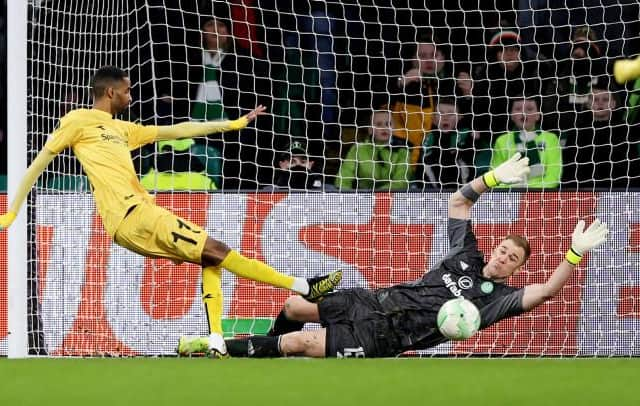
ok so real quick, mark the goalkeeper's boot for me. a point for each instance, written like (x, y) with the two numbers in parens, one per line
(321, 285)
(216, 347)
(192, 346)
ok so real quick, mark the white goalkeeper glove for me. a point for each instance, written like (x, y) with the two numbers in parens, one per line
(6, 220)
(584, 240)
(514, 170)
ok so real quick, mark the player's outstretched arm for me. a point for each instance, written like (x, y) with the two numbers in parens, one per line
(191, 129)
(33, 172)
(514, 170)
(581, 241)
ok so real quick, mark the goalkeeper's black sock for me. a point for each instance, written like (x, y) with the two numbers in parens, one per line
(254, 347)
(282, 325)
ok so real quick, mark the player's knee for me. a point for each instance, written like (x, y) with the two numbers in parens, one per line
(214, 252)
(294, 308)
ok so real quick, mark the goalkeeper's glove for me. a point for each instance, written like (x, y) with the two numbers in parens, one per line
(6, 220)
(583, 240)
(515, 170)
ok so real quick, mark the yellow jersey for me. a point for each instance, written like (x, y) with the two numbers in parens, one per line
(103, 145)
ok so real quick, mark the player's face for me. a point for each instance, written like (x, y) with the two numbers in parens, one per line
(506, 259)
(381, 127)
(121, 96)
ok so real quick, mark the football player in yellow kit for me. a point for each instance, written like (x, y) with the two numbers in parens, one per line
(129, 214)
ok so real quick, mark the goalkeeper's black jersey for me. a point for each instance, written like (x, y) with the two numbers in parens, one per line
(412, 307)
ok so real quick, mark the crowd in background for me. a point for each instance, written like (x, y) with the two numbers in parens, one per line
(368, 96)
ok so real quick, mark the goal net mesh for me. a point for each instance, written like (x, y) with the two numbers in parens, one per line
(393, 105)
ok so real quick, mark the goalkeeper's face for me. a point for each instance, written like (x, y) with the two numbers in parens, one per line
(506, 259)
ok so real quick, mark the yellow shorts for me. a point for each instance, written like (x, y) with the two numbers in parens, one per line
(155, 232)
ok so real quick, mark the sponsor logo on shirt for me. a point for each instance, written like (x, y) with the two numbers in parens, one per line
(111, 137)
(464, 282)
(451, 285)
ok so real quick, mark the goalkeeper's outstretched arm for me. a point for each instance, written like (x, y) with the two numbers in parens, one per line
(33, 172)
(191, 129)
(514, 170)
(581, 241)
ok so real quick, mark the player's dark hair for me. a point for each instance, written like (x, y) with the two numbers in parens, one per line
(106, 77)
(521, 242)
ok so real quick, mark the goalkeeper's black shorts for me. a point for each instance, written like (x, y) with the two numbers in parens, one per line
(355, 326)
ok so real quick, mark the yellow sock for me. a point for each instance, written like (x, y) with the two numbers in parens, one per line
(212, 297)
(256, 270)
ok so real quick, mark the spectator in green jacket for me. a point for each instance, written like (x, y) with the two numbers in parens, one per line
(183, 165)
(541, 147)
(379, 163)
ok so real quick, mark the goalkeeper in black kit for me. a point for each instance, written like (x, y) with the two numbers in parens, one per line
(389, 321)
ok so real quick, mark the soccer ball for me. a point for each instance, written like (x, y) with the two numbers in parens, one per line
(458, 319)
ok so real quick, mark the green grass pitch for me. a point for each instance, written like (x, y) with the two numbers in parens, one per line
(390, 382)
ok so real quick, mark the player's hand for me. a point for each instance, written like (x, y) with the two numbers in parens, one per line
(515, 170)
(6, 220)
(584, 240)
(258, 111)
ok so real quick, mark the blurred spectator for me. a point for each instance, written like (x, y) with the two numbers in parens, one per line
(504, 77)
(575, 77)
(414, 95)
(541, 147)
(229, 83)
(546, 29)
(447, 158)
(307, 51)
(600, 151)
(183, 165)
(464, 96)
(379, 163)
(217, 41)
(296, 170)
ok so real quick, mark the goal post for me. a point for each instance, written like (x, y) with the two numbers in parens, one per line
(324, 69)
(17, 258)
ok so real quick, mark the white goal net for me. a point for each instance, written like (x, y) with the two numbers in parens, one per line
(378, 110)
